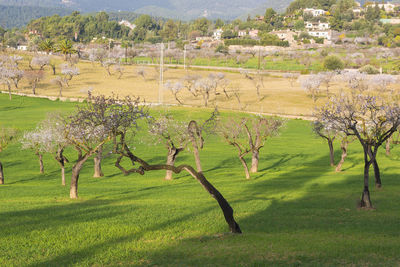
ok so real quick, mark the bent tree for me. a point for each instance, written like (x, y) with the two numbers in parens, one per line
(125, 120)
(371, 119)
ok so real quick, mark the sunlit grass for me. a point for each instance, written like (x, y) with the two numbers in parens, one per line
(295, 211)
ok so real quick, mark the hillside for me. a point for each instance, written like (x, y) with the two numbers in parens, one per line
(182, 9)
(19, 16)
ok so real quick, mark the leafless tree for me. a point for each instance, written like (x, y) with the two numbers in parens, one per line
(326, 79)
(311, 84)
(121, 130)
(106, 64)
(7, 136)
(175, 89)
(119, 69)
(292, 77)
(89, 129)
(173, 133)
(69, 72)
(40, 62)
(189, 82)
(328, 133)
(371, 118)
(142, 73)
(382, 81)
(258, 130)
(232, 130)
(34, 77)
(257, 79)
(59, 81)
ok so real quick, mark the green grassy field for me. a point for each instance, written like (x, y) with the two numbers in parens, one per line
(295, 212)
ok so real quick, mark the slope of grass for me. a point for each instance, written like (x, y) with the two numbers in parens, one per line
(295, 211)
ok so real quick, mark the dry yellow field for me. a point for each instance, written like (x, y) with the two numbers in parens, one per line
(278, 95)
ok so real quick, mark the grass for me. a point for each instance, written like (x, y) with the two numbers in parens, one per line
(295, 212)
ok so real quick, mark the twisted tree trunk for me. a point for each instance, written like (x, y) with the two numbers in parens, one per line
(344, 155)
(97, 164)
(255, 160)
(171, 157)
(76, 169)
(144, 166)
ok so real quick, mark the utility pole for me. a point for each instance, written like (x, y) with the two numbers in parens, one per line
(161, 88)
(184, 57)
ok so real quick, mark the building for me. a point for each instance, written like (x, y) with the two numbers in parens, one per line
(127, 24)
(314, 12)
(253, 34)
(217, 34)
(317, 25)
(242, 33)
(287, 35)
(321, 34)
(22, 47)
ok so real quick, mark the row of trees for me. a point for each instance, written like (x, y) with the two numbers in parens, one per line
(11, 72)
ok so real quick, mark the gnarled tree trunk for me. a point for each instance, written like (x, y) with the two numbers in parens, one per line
(344, 155)
(254, 160)
(76, 169)
(1, 174)
(171, 157)
(194, 132)
(97, 164)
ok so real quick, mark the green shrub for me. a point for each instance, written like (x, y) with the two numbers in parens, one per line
(369, 69)
(333, 63)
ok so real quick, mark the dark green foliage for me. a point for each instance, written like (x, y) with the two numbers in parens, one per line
(19, 16)
(333, 63)
(86, 27)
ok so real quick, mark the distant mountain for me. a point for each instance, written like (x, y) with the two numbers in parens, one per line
(19, 16)
(181, 9)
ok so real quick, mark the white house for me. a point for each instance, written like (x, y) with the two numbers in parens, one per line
(127, 24)
(321, 34)
(314, 12)
(242, 33)
(317, 25)
(22, 47)
(287, 35)
(217, 35)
